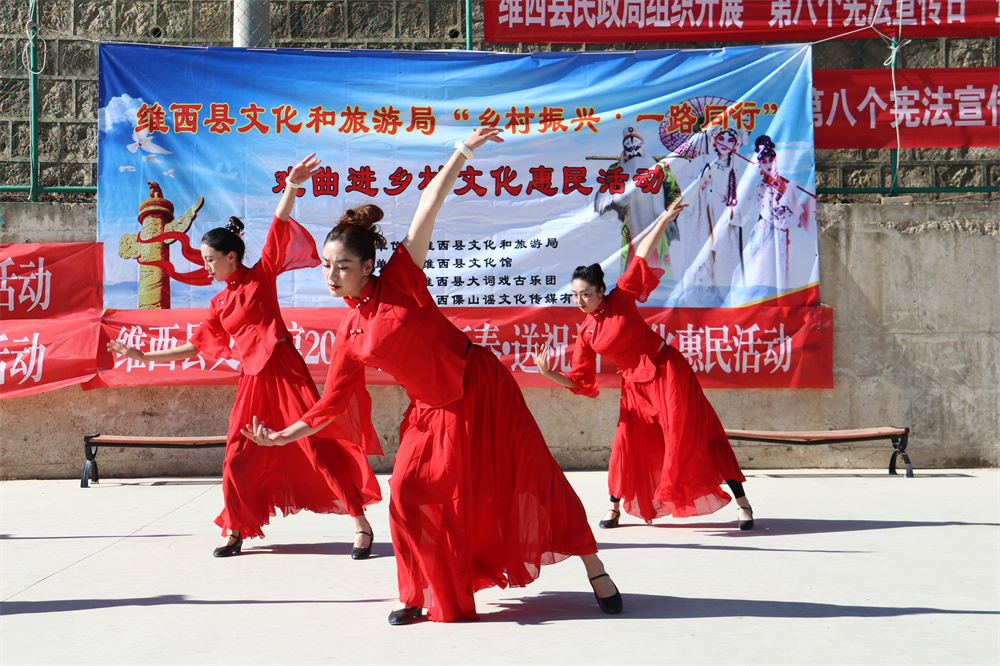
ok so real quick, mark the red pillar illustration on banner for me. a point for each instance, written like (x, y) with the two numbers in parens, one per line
(151, 247)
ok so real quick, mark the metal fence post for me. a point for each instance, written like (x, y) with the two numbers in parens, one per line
(251, 23)
(33, 98)
(468, 25)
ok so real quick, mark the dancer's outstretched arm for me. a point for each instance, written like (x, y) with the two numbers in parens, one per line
(264, 436)
(422, 226)
(545, 370)
(300, 174)
(648, 244)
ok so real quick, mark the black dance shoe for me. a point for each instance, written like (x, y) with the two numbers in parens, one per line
(611, 605)
(608, 524)
(363, 553)
(745, 524)
(407, 615)
(233, 548)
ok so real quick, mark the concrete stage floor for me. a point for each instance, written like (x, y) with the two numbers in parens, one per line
(850, 567)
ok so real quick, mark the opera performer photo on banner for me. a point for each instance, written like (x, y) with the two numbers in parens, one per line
(598, 145)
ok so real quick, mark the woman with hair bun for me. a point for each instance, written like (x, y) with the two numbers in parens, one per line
(326, 473)
(476, 498)
(670, 452)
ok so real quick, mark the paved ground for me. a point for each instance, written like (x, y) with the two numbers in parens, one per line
(844, 567)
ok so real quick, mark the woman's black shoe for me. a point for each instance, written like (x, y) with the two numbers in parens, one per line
(406, 615)
(233, 548)
(608, 524)
(745, 524)
(363, 553)
(611, 605)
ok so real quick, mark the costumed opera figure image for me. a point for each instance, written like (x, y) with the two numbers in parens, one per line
(714, 221)
(710, 230)
(641, 201)
(781, 205)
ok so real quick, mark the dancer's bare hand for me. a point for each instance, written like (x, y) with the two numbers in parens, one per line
(483, 134)
(305, 169)
(257, 432)
(123, 350)
(542, 360)
(675, 208)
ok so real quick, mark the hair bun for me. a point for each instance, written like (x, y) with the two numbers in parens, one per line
(235, 225)
(366, 216)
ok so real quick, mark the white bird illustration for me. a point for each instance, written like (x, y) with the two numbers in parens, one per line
(150, 158)
(126, 168)
(144, 141)
(169, 172)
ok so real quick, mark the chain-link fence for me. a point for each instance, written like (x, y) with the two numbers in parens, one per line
(48, 78)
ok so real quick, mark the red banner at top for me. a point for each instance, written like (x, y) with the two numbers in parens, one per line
(927, 108)
(607, 21)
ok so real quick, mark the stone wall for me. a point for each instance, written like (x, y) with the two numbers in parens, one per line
(916, 343)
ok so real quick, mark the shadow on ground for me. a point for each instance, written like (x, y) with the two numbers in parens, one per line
(560, 606)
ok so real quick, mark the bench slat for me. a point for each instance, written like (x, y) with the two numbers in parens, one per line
(818, 435)
(125, 439)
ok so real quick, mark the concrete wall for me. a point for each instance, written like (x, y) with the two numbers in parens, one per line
(916, 342)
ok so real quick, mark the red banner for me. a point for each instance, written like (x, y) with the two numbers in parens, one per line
(50, 306)
(53, 334)
(751, 347)
(931, 108)
(615, 21)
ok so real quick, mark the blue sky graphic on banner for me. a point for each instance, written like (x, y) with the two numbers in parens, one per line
(597, 144)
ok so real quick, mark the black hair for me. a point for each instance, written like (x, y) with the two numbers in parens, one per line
(764, 147)
(358, 230)
(592, 275)
(227, 239)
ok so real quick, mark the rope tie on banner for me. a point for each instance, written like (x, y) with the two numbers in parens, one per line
(891, 62)
(31, 29)
(34, 29)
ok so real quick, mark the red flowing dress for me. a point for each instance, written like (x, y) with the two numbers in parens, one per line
(325, 473)
(476, 499)
(670, 453)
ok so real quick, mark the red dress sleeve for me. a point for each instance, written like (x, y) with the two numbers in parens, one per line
(345, 403)
(406, 276)
(288, 246)
(639, 280)
(211, 338)
(584, 370)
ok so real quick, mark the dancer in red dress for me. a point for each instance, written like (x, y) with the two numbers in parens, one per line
(670, 452)
(327, 473)
(476, 498)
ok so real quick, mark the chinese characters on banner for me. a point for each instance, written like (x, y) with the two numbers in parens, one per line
(931, 108)
(582, 174)
(744, 347)
(604, 21)
(50, 308)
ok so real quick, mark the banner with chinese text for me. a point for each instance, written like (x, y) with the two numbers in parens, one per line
(724, 344)
(50, 309)
(597, 145)
(577, 21)
(931, 108)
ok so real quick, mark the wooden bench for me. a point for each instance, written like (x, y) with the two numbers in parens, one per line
(898, 437)
(91, 443)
